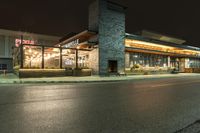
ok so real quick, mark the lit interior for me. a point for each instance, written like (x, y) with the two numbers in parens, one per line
(33, 57)
(158, 47)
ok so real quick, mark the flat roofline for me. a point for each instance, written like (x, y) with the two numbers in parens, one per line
(19, 33)
(162, 34)
(141, 38)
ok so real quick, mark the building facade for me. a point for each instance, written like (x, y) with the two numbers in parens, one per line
(116, 51)
(11, 39)
(106, 48)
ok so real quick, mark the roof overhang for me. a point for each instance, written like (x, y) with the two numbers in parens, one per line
(81, 37)
(159, 42)
(161, 37)
(131, 49)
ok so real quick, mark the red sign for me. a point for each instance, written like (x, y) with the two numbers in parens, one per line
(18, 42)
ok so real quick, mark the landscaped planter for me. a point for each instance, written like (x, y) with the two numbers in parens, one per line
(82, 72)
(145, 72)
(196, 70)
(36, 73)
(192, 70)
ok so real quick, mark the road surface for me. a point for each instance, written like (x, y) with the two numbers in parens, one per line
(142, 106)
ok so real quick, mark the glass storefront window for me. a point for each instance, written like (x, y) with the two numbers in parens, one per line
(194, 63)
(83, 59)
(44, 57)
(32, 57)
(148, 60)
(173, 62)
(68, 58)
(51, 58)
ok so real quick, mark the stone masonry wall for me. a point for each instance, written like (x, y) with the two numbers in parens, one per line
(111, 38)
(93, 61)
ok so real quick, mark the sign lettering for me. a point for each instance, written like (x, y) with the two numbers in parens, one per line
(18, 42)
(72, 44)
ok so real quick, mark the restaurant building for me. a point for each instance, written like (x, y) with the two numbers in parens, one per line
(9, 40)
(105, 48)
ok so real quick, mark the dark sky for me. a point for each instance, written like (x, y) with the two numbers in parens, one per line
(59, 17)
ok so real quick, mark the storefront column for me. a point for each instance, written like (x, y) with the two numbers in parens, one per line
(42, 57)
(127, 60)
(76, 58)
(60, 58)
(21, 56)
(187, 63)
(22, 53)
(168, 64)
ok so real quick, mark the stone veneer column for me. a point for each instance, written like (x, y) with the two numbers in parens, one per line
(127, 60)
(111, 36)
(168, 59)
(93, 61)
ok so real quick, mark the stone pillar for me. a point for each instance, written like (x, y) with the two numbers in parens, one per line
(111, 36)
(127, 60)
(108, 19)
(168, 64)
(93, 61)
(182, 65)
(187, 61)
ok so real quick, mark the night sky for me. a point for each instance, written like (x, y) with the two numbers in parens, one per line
(60, 17)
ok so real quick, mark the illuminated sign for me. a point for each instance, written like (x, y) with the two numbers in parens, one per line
(72, 44)
(18, 42)
(68, 62)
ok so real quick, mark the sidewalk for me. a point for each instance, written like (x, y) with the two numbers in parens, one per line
(13, 79)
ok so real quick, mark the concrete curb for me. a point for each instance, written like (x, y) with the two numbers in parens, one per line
(81, 81)
(24, 81)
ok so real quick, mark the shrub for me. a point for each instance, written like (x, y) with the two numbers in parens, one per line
(136, 66)
(16, 67)
(146, 73)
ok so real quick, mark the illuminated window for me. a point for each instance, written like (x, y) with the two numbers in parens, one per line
(51, 58)
(83, 59)
(159, 47)
(148, 60)
(68, 58)
(32, 57)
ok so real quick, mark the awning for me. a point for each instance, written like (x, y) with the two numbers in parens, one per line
(83, 37)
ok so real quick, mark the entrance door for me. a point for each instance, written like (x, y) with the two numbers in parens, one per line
(112, 66)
